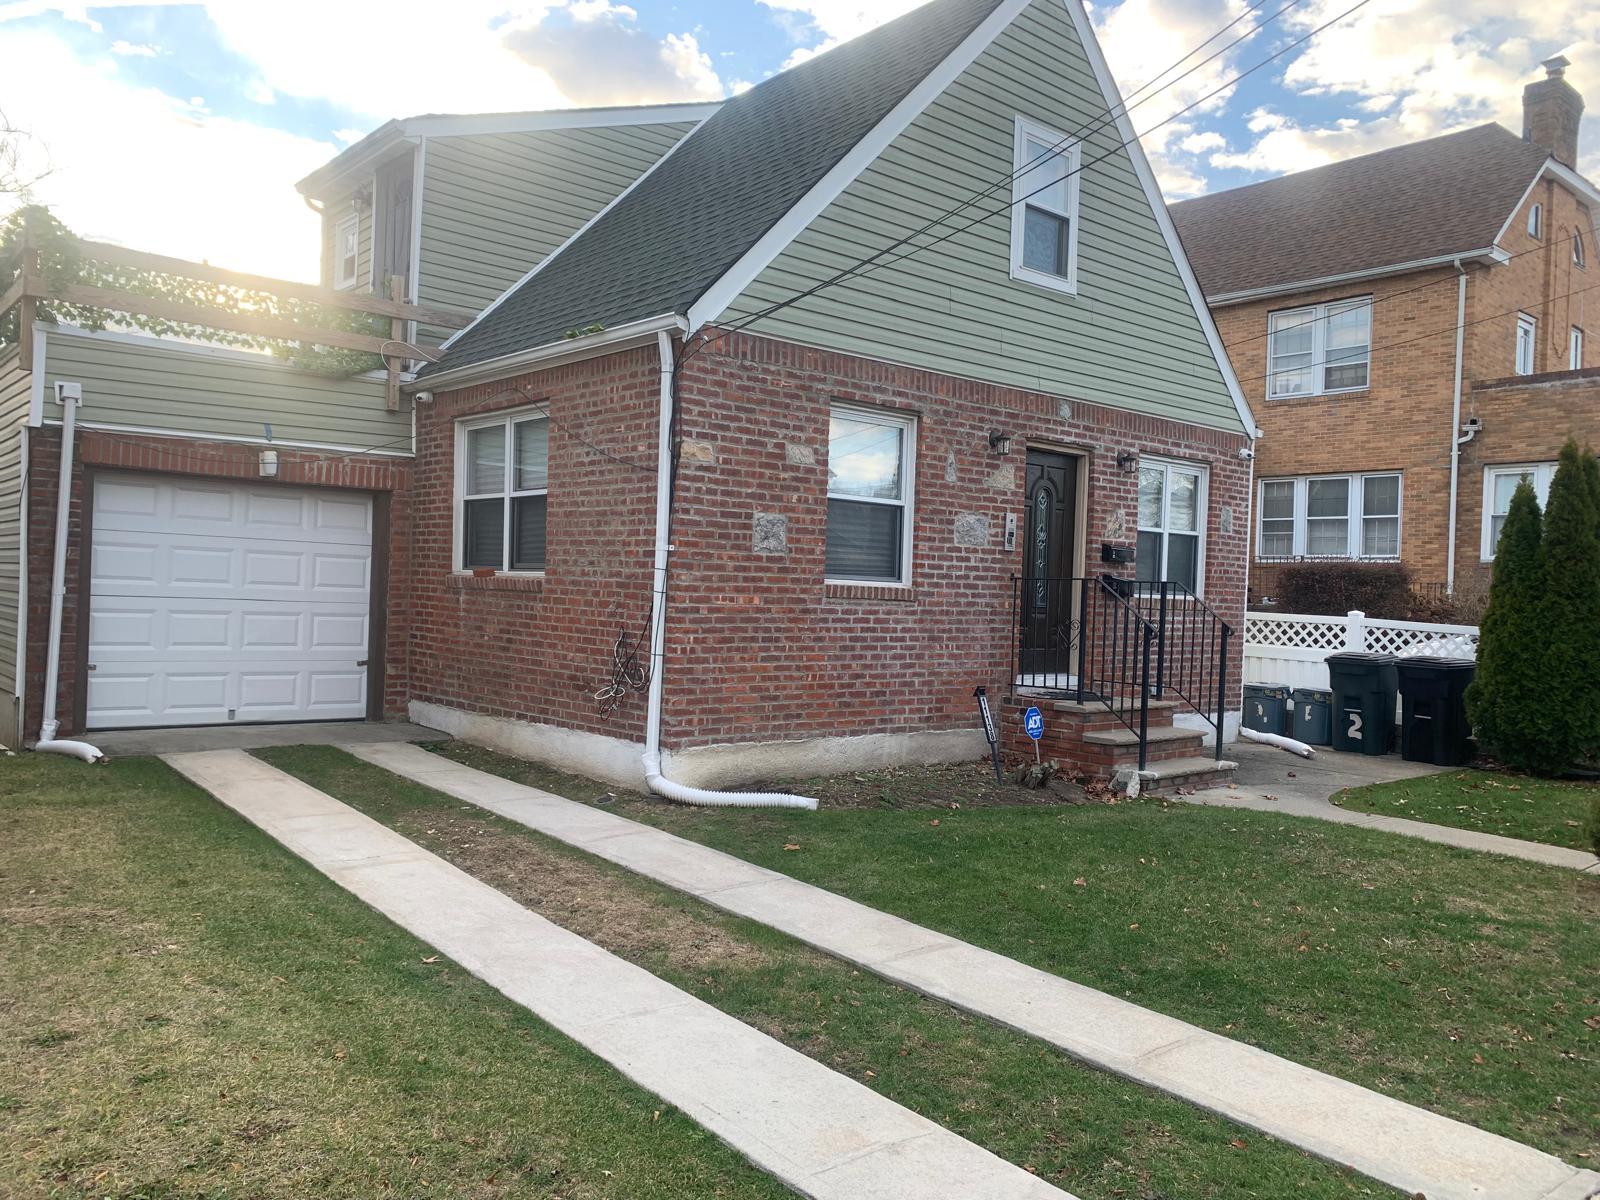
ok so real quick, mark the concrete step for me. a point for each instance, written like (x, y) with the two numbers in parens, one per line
(1089, 708)
(1168, 777)
(1122, 736)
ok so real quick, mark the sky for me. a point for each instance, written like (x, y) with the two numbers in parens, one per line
(182, 128)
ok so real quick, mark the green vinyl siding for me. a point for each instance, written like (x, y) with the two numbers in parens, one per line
(332, 214)
(201, 391)
(14, 395)
(1130, 337)
(495, 205)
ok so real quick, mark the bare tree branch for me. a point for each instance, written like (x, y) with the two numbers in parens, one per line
(17, 179)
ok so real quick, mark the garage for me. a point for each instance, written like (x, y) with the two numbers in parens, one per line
(214, 603)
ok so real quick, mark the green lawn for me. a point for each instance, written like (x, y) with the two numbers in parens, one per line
(1096, 1136)
(1453, 980)
(188, 1011)
(1517, 806)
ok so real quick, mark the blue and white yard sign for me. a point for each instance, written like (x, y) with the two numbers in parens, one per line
(1033, 723)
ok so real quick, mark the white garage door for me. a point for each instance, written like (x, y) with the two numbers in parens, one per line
(213, 603)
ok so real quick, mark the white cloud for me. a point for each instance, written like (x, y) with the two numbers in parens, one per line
(135, 49)
(136, 166)
(1199, 143)
(602, 57)
(836, 20)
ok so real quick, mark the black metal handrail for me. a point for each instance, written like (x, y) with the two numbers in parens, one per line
(1085, 639)
(1191, 651)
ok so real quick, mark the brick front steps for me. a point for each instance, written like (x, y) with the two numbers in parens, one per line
(1092, 739)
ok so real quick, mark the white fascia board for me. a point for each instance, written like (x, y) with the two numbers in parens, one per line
(1521, 200)
(555, 354)
(1489, 254)
(1573, 180)
(714, 301)
(578, 233)
(571, 118)
(36, 384)
(1158, 205)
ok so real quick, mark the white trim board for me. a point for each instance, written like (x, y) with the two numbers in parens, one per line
(36, 384)
(184, 435)
(445, 125)
(551, 354)
(1490, 254)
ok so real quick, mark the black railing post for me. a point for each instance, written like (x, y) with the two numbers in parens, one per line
(1161, 645)
(1222, 688)
(1083, 638)
(1144, 701)
(1016, 635)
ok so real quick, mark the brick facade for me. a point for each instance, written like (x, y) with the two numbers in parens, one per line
(760, 648)
(96, 451)
(1403, 420)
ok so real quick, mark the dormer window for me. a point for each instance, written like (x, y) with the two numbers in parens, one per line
(1577, 249)
(1536, 221)
(346, 250)
(1044, 212)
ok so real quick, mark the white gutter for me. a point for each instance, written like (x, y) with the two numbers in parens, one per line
(1455, 431)
(1490, 254)
(658, 782)
(70, 395)
(553, 354)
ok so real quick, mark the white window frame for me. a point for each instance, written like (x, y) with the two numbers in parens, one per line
(1318, 315)
(1536, 222)
(350, 222)
(1356, 516)
(1202, 516)
(1527, 344)
(1541, 473)
(466, 425)
(907, 424)
(1022, 165)
(1575, 349)
(1580, 256)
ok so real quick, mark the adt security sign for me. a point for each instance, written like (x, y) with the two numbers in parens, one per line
(1033, 723)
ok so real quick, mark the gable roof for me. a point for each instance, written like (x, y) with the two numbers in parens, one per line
(1428, 201)
(381, 141)
(721, 189)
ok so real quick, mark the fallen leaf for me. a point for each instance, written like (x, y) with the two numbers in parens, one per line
(1239, 1144)
(1272, 798)
(1135, 925)
(792, 846)
(934, 822)
(1080, 881)
(1592, 1022)
(431, 959)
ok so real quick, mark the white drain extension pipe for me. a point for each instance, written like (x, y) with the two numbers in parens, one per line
(70, 395)
(659, 783)
(1277, 739)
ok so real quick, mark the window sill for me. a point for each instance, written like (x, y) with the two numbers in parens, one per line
(461, 582)
(1065, 286)
(1336, 394)
(841, 590)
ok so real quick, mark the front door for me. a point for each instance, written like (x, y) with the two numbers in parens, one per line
(1050, 560)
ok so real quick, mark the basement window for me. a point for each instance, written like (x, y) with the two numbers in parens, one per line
(502, 487)
(1044, 208)
(870, 484)
(346, 251)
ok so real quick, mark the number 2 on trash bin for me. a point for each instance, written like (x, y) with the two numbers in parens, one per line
(1355, 725)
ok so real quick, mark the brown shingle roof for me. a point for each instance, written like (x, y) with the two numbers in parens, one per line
(1444, 196)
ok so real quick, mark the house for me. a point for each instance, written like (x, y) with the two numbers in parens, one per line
(759, 477)
(1416, 332)
(238, 524)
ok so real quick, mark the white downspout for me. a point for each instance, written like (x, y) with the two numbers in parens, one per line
(1455, 430)
(69, 395)
(658, 782)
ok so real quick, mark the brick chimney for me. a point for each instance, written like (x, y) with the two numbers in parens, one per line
(1551, 111)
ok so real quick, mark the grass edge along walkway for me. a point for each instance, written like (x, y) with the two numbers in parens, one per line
(1550, 812)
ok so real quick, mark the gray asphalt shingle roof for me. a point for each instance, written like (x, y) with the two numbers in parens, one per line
(663, 245)
(1431, 199)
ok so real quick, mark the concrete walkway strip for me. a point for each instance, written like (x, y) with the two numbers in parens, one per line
(822, 1134)
(1415, 1150)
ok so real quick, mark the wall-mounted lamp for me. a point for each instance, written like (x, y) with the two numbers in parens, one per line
(1128, 462)
(269, 464)
(1000, 442)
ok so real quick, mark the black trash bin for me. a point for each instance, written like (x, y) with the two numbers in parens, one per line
(1364, 689)
(1313, 716)
(1433, 710)
(1264, 707)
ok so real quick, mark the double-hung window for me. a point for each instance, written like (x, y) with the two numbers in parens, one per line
(870, 486)
(1499, 485)
(502, 485)
(1172, 511)
(346, 250)
(1575, 350)
(1527, 340)
(1329, 516)
(1320, 349)
(1044, 208)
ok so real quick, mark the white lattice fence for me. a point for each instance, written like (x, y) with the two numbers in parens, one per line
(1292, 649)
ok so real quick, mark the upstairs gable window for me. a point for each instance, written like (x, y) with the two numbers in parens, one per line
(1536, 221)
(1044, 208)
(346, 250)
(1578, 259)
(1527, 341)
(1321, 349)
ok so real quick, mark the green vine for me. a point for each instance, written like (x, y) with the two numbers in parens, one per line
(63, 260)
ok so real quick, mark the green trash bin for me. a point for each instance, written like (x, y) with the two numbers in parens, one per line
(1433, 710)
(1265, 708)
(1313, 716)
(1364, 691)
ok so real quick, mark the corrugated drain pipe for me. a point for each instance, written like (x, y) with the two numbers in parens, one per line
(69, 395)
(659, 783)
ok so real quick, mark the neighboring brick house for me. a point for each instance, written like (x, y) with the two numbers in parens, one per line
(707, 435)
(1417, 330)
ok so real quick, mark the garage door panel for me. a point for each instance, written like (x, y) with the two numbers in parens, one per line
(212, 603)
